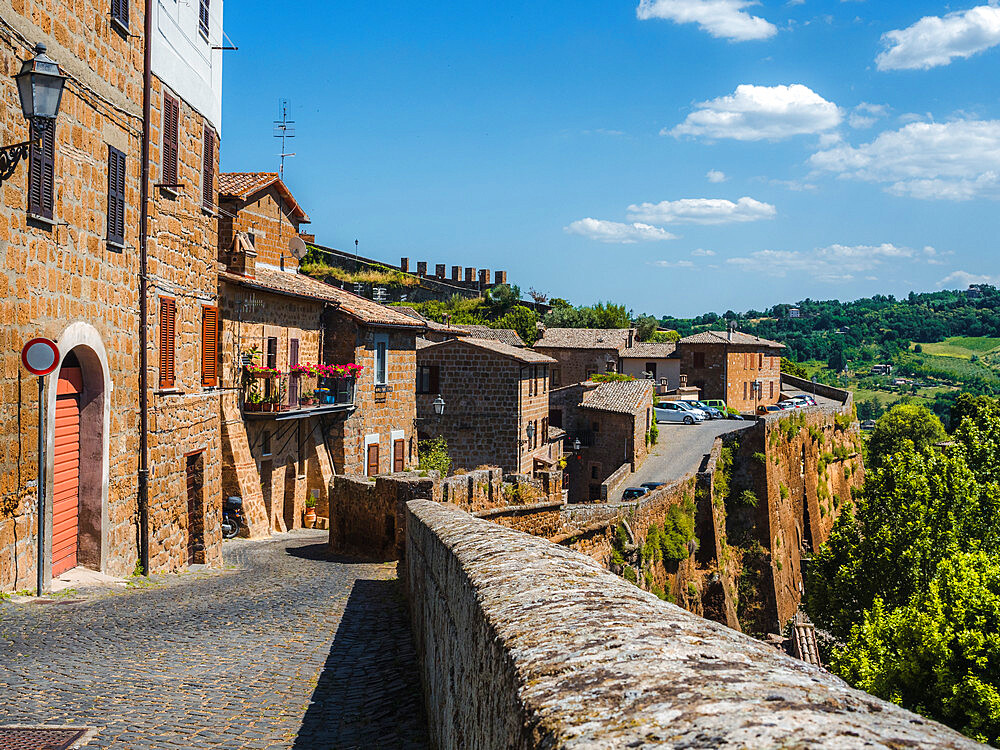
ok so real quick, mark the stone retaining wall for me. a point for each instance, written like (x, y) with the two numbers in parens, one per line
(526, 644)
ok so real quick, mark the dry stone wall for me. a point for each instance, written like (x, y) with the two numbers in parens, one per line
(526, 644)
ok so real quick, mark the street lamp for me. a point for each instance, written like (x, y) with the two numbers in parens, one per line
(576, 445)
(530, 431)
(39, 86)
(439, 406)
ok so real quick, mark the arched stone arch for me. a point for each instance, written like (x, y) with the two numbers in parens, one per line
(85, 342)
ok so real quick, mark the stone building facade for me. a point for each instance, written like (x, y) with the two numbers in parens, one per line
(258, 208)
(582, 352)
(611, 421)
(64, 279)
(742, 370)
(496, 404)
(658, 361)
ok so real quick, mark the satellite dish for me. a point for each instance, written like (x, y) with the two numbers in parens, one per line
(297, 247)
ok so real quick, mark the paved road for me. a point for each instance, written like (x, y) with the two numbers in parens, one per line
(291, 649)
(679, 451)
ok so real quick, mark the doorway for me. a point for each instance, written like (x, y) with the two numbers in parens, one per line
(194, 472)
(66, 468)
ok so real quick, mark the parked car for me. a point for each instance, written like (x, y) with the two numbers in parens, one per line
(691, 407)
(768, 409)
(868, 424)
(716, 403)
(651, 485)
(669, 411)
(790, 404)
(711, 411)
(634, 493)
(804, 400)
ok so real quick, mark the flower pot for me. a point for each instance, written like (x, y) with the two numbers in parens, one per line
(309, 519)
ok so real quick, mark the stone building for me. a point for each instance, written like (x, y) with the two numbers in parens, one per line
(656, 361)
(612, 422)
(67, 241)
(740, 369)
(582, 352)
(184, 495)
(496, 404)
(256, 208)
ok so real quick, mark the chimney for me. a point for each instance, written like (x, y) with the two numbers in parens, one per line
(306, 237)
(730, 328)
(684, 381)
(421, 268)
(404, 265)
(456, 273)
(631, 338)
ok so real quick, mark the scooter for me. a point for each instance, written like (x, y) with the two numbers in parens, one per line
(232, 517)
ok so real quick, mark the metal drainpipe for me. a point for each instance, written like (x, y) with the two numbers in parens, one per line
(143, 477)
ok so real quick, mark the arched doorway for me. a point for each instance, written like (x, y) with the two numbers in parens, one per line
(78, 455)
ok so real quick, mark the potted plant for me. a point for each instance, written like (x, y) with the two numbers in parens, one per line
(254, 400)
(307, 398)
(309, 519)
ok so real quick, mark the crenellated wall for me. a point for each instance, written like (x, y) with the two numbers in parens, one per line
(526, 644)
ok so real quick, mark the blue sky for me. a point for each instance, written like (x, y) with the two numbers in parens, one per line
(677, 156)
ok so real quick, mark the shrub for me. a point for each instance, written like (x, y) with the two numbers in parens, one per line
(692, 589)
(630, 575)
(434, 456)
(678, 531)
(760, 457)
(784, 492)
(748, 499)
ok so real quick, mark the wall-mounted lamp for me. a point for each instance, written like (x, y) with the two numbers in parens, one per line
(439, 406)
(39, 87)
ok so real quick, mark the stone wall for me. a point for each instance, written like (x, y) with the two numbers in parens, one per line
(726, 371)
(577, 365)
(63, 281)
(269, 218)
(524, 644)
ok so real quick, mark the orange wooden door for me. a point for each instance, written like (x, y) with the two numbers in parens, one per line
(397, 455)
(66, 471)
(373, 459)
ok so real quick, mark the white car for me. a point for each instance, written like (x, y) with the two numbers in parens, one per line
(693, 408)
(671, 411)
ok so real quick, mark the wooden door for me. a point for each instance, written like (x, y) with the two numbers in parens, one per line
(195, 474)
(66, 471)
(398, 453)
(266, 487)
(372, 469)
(293, 381)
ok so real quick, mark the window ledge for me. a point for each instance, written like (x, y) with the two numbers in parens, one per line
(169, 192)
(119, 26)
(168, 392)
(115, 247)
(49, 223)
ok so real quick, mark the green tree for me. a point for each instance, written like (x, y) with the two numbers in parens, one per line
(523, 320)
(664, 337)
(501, 299)
(645, 327)
(434, 456)
(976, 408)
(793, 368)
(902, 424)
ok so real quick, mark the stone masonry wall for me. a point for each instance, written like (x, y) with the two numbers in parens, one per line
(729, 369)
(525, 644)
(577, 365)
(183, 419)
(62, 280)
(267, 216)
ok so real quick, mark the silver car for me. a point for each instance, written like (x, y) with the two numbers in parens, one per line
(672, 411)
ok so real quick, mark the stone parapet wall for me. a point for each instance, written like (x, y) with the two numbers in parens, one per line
(827, 391)
(615, 481)
(517, 650)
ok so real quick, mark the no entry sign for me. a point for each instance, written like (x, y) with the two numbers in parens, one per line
(40, 356)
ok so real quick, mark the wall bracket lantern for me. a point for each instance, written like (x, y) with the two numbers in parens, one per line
(439, 406)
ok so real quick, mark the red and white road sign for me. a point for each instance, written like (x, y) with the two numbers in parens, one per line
(40, 356)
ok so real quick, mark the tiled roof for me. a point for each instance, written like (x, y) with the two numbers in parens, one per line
(300, 285)
(242, 185)
(556, 433)
(722, 337)
(423, 343)
(584, 338)
(521, 355)
(649, 350)
(621, 397)
(504, 335)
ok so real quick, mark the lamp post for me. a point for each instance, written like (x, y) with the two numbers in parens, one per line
(530, 431)
(39, 87)
(576, 445)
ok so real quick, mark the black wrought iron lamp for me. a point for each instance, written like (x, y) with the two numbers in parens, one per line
(39, 86)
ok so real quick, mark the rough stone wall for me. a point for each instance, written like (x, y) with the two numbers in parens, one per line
(377, 413)
(268, 217)
(489, 401)
(62, 275)
(184, 419)
(524, 644)
(577, 365)
(619, 439)
(273, 466)
(728, 368)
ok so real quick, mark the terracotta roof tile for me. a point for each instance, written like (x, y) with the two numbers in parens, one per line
(621, 397)
(242, 185)
(522, 355)
(584, 338)
(722, 337)
(649, 350)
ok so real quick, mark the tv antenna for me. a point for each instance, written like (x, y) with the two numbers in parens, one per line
(284, 129)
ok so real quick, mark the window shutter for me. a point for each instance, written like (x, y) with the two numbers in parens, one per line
(171, 121)
(208, 170)
(41, 172)
(203, 18)
(168, 339)
(119, 12)
(116, 196)
(435, 379)
(209, 346)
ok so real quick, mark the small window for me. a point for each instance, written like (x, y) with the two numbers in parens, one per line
(594, 469)
(208, 170)
(545, 379)
(42, 171)
(209, 346)
(119, 14)
(744, 390)
(202, 18)
(772, 389)
(265, 443)
(116, 196)
(167, 340)
(428, 378)
(171, 136)
(699, 359)
(381, 359)
(556, 375)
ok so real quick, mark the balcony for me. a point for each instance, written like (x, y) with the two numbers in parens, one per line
(275, 396)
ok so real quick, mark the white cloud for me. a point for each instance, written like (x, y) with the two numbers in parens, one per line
(702, 211)
(865, 115)
(936, 40)
(716, 176)
(954, 161)
(794, 185)
(962, 279)
(833, 264)
(700, 253)
(673, 263)
(616, 232)
(725, 19)
(755, 113)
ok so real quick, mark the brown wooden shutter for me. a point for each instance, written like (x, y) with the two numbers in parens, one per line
(398, 455)
(209, 346)
(116, 196)
(372, 468)
(41, 172)
(208, 170)
(171, 124)
(434, 384)
(168, 340)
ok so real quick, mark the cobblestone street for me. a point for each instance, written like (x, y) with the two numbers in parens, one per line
(287, 649)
